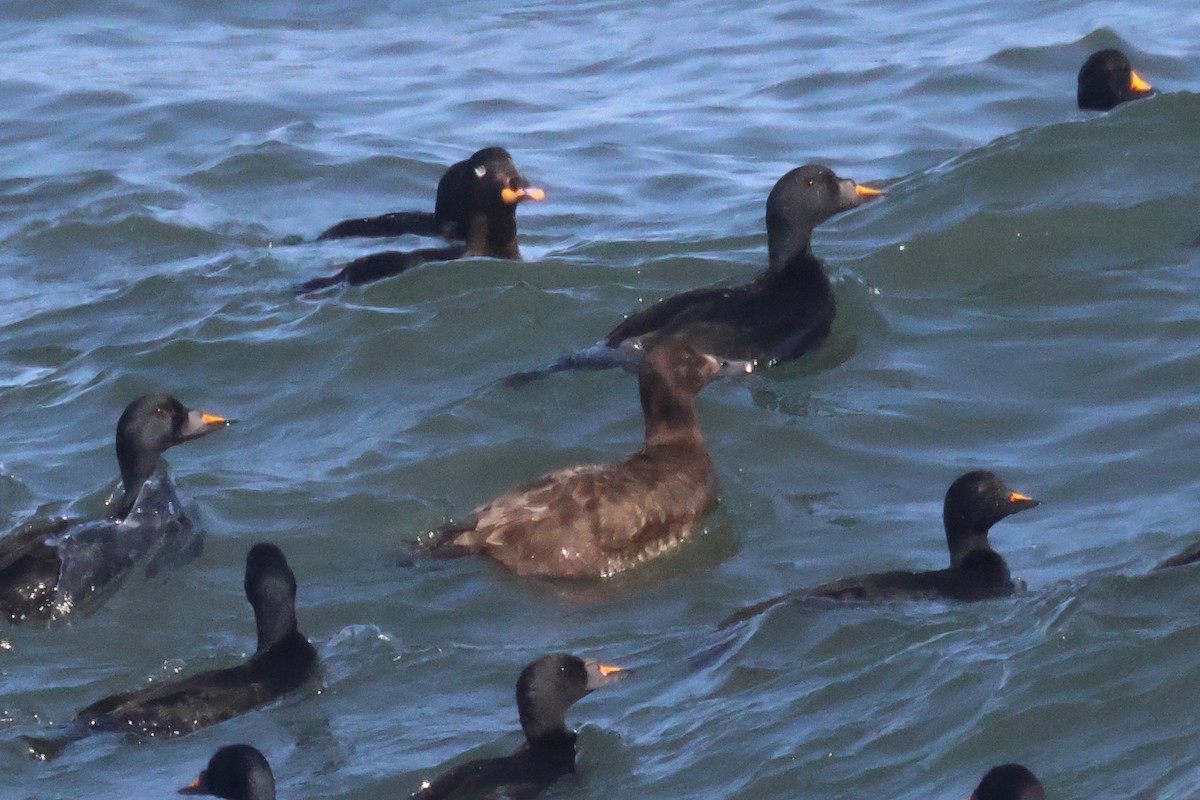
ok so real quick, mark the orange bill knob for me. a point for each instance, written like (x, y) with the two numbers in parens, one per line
(511, 196)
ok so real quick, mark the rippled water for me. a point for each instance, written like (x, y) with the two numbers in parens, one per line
(1025, 299)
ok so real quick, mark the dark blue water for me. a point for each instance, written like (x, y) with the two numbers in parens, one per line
(1023, 300)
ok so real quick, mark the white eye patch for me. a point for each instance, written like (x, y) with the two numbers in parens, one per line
(480, 171)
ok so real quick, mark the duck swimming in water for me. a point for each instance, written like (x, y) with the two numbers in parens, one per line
(235, 772)
(48, 570)
(476, 204)
(1107, 79)
(780, 315)
(974, 503)
(545, 690)
(283, 662)
(596, 520)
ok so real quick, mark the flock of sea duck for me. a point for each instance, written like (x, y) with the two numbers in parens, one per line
(579, 522)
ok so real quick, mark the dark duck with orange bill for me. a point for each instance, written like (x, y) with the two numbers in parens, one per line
(974, 503)
(476, 204)
(545, 690)
(1107, 79)
(780, 315)
(49, 570)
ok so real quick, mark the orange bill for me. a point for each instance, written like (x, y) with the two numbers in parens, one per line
(195, 787)
(515, 195)
(607, 669)
(211, 419)
(1137, 84)
(1014, 497)
(866, 191)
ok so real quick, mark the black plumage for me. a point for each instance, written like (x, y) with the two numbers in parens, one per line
(1106, 80)
(545, 690)
(1009, 782)
(784, 312)
(476, 204)
(283, 661)
(49, 570)
(235, 772)
(974, 503)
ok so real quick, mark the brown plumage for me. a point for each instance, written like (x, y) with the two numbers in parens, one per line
(598, 519)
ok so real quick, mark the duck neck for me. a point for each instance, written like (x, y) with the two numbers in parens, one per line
(790, 252)
(273, 626)
(136, 468)
(493, 232)
(963, 543)
(669, 413)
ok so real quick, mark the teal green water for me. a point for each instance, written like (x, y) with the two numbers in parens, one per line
(1024, 299)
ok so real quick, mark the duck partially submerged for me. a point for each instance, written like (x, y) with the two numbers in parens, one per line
(476, 204)
(235, 772)
(974, 503)
(49, 570)
(283, 661)
(595, 520)
(545, 690)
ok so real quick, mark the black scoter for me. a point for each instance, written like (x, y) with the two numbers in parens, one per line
(596, 520)
(1009, 782)
(476, 204)
(974, 503)
(49, 570)
(235, 772)
(1107, 79)
(545, 690)
(784, 312)
(283, 661)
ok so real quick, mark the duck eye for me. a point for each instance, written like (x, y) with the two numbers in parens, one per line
(159, 411)
(480, 171)
(811, 182)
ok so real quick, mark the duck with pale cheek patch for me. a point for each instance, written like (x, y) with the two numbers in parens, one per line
(477, 203)
(50, 570)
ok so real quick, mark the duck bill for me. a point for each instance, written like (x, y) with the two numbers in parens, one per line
(1020, 502)
(202, 423)
(198, 786)
(512, 196)
(1137, 84)
(601, 674)
(851, 194)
